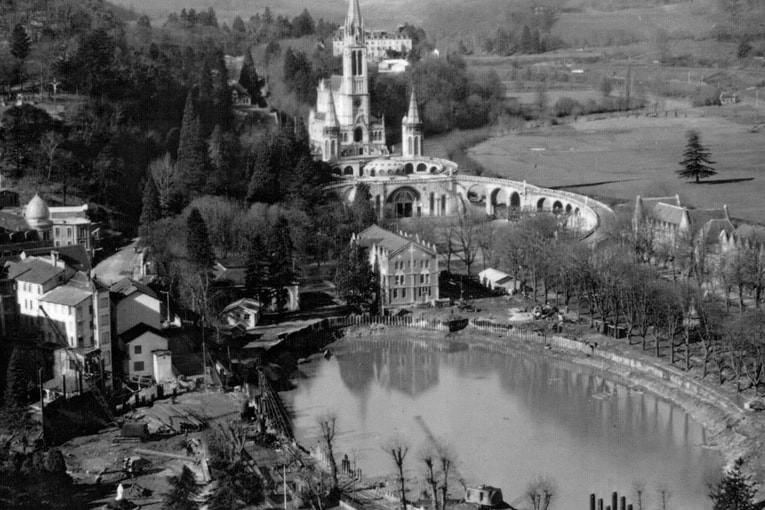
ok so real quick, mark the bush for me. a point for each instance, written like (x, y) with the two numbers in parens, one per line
(706, 96)
(566, 106)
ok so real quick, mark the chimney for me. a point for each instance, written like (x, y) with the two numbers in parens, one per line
(725, 212)
(54, 258)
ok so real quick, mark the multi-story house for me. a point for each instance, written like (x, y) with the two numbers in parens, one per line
(407, 267)
(134, 303)
(69, 311)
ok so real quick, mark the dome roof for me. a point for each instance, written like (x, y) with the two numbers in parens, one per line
(37, 209)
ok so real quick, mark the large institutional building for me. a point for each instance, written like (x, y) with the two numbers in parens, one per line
(344, 132)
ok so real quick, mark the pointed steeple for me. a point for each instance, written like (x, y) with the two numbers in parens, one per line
(413, 115)
(353, 18)
(354, 25)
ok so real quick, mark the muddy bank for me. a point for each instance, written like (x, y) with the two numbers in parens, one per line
(731, 430)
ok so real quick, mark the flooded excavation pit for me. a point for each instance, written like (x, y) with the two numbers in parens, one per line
(508, 418)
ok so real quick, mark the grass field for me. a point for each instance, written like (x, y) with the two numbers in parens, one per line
(620, 158)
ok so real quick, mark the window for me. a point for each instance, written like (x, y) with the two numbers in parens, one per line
(56, 232)
(137, 349)
(403, 293)
(395, 293)
(68, 231)
(138, 366)
(80, 341)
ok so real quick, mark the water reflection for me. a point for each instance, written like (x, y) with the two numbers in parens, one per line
(508, 416)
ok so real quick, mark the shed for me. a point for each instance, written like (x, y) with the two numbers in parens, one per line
(495, 279)
(135, 429)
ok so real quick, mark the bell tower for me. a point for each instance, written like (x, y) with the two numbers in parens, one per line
(354, 110)
(411, 130)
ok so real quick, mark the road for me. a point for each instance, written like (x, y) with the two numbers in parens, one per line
(118, 266)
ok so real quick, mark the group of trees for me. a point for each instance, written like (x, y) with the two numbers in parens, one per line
(260, 28)
(239, 486)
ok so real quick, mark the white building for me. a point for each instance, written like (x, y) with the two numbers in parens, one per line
(378, 43)
(69, 311)
(135, 303)
(65, 226)
(342, 123)
(34, 277)
(146, 354)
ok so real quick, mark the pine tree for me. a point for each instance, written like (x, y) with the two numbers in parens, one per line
(191, 150)
(525, 44)
(736, 491)
(17, 382)
(264, 181)
(199, 248)
(249, 78)
(238, 25)
(20, 43)
(222, 152)
(257, 275)
(204, 100)
(362, 210)
(356, 283)
(280, 260)
(184, 490)
(221, 98)
(697, 162)
(150, 208)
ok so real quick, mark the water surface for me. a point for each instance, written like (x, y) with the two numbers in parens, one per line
(508, 417)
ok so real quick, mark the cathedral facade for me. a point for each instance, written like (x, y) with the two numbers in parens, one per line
(344, 132)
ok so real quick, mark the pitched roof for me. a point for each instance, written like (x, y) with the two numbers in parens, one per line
(754, 232)
(713, 228)
(246, 303)
(128, 286)
(67, 295)
(138, 330)
(73, 255)
(386, 239)
(668, 213)
(700, 217)
(34, 271)
(494, 275)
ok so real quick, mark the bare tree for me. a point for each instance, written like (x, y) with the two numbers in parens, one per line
(429, 458)
(467, 238)
(327, 425)
(164, 174)
(446, 458)
(49, 144)
(541, 492)
(638, 493)
(398, 447)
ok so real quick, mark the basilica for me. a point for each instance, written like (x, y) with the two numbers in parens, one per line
(344, 132)
(342, 126)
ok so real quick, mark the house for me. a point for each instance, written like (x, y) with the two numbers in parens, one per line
(407, 267)
(145, 354)
(34, 277)
(78, 313)
(35, 225)
(495, 279)
(743, 237)
(67, 310)
(728, 98)
(239, 95)
(230, 272)
(393, 65)
(667, 222)
(243, 313)
(134, 303)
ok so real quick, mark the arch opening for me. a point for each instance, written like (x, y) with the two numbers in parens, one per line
(403, 202)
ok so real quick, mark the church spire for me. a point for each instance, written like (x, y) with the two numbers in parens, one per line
(413, 115)
(354, 25)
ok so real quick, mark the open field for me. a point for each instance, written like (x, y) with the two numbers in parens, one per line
(622, 157)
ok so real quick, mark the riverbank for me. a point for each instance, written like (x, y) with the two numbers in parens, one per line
(731, 430)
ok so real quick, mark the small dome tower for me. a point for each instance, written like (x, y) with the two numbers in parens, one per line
(411, 130)
(37, 214)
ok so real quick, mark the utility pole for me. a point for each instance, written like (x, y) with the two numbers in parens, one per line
(42, 402)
